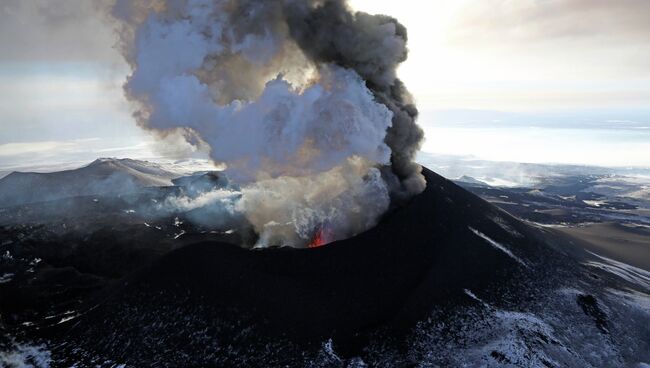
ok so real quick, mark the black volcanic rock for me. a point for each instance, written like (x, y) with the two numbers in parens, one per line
(419, 255)
(352, 284)
(445, 280)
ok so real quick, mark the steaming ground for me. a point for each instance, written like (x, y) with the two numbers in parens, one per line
(447, 280)
(284, 211)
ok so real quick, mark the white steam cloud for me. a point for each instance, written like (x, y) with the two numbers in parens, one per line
(313, 146)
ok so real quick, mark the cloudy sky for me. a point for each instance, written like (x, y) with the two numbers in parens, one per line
(524, 80)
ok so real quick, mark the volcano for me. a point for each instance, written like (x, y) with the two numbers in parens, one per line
(314, 239)
(447, 279)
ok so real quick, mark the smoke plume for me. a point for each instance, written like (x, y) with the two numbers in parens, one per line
(297, 99)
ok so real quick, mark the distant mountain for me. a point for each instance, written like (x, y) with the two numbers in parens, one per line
(470, 180)
(102, 176)
(520, 174)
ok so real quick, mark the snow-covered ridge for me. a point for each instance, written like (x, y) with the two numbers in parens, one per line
(102, 176)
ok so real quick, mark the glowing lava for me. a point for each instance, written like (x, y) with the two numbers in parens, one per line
(319, 239)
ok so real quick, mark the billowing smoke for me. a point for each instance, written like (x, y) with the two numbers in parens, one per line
(373, 46)
(297, 99)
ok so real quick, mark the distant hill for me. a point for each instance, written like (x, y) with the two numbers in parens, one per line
(102, 176)
(470, 181)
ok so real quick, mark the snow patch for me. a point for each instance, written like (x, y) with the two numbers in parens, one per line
(7, 277)
(505, 226)
(628, 273)
(632, 298)
(473, 296)
(498, 246)
(26, 356)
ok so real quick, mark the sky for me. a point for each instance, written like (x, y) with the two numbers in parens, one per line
(561, 81)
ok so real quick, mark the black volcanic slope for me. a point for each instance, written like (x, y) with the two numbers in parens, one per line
(352, 284)
(445, 261)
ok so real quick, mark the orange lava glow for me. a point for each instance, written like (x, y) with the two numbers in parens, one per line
(318, 240)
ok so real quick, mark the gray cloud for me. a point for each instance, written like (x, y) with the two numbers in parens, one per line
(625, 21)
(56, 31)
